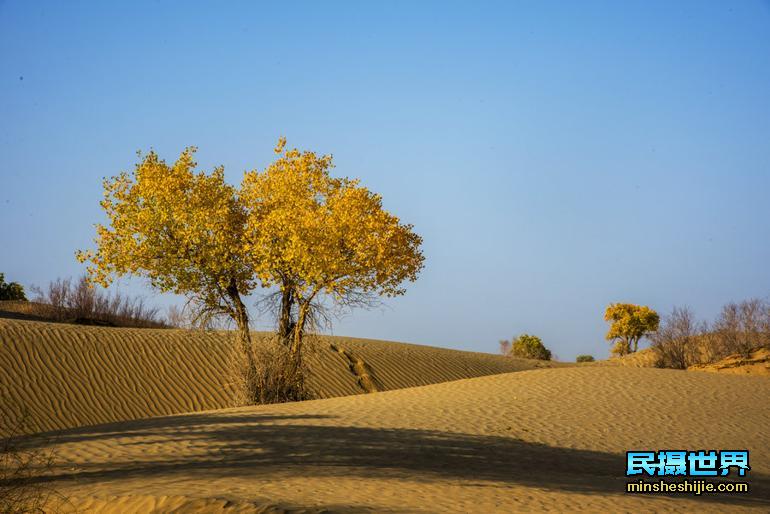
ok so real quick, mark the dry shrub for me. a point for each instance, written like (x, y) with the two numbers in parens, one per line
(242, 376)
(277, 377)
(677, 342)
(80, 303)
(741, 328)
(585, 358)
(20, 465)
(176, 317)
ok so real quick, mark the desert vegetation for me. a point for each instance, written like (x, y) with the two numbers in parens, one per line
(77, 302)
(525, 346)
(739, 329)
(185, 331)
(629, 323)
(11, 291)
(292, 230)
(21, 463)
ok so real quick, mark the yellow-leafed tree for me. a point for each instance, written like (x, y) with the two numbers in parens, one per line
(292, 227)
(183, 230)
(628, 324)
(319, 236)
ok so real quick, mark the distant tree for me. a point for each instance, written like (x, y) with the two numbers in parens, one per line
(584, 358)
(742, 327)
(505, 346)
(676, 342)
(629, 323)
(530, 347)
(11, 290)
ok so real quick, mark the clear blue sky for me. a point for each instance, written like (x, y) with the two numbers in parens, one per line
(554, 156)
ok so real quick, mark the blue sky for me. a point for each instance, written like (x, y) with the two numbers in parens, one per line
(554, 156)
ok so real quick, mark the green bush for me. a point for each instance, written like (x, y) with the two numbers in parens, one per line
(530, 347)
(11, 291)
(584, 358)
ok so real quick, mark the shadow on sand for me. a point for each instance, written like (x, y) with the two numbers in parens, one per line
(250, 445)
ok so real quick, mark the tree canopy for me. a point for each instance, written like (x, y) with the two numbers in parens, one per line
(629, 323)
(530, 347)
(312, 235)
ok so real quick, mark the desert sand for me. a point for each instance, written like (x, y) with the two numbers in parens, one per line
(66, 376)
(534, 440)
(758, 363)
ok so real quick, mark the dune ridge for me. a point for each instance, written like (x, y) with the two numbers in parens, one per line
(65, 376)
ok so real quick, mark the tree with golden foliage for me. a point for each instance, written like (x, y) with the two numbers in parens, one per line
(183, 230)
(316, 236)
(292, 227)
(628, 324)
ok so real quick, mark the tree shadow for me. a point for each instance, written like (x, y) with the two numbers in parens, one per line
(249, 444)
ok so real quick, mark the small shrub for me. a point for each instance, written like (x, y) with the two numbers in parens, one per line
(620, 349)
(585, 358)
(11, 290)
(530, 347)
(276, 378)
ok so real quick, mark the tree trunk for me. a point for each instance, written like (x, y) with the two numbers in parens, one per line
(241, 316)
(285, 322)
(627, 342)
(299, 330)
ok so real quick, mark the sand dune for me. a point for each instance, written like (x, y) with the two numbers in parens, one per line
(551, 439)
(540, 439)
(70, 375)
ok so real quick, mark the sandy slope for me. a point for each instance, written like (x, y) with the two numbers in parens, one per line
(644, 358)
(71, 375)
(758, 363)
(537, 440)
